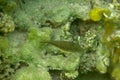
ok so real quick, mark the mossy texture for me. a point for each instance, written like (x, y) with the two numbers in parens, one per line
(8, 6)
(72, 37)
(50, 13)
(32, 73)
(6, 23)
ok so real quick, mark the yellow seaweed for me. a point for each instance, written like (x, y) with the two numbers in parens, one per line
(96, 14)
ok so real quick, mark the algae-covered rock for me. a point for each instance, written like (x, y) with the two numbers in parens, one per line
(116, 72)
(69, 75)
(41, 23)
(87, 63)
(30, 49)
(41, 34)
(8, 6)
(93, 76)
(3, 42)
(31, 73)
(6, 24)
(34, 52)
(102, 62)
(50, 13)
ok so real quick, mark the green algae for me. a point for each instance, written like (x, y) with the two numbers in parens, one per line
(8, 6)
(39, 21)
(97, 14)
(4, 42)
(6, 24)
(32, 73)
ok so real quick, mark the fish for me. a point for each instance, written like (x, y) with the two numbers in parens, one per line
(68, 46)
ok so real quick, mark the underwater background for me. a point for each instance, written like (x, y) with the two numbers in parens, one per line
(59, 40)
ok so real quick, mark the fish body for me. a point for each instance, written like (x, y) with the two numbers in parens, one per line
(66, 45)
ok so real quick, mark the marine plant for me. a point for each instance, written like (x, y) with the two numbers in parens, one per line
(97, 14)
(6, 23)
(31, 73)
(7, 6)
(45, 29)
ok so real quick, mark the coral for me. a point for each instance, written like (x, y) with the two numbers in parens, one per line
(70, 75)
(37, 33)
(102, 62)
(39, 54)
(95, 61)
(114, 42)
(31, 73)
(8, 6)
(6, 24)
(96, 57)
(43, 21)
(115, 56)
(116, 72)
(93, 76)
(3, 42)
(8, 63)
(31, 49)
(5, 67)
(87, 63)
(46, 13)
(89, 39)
